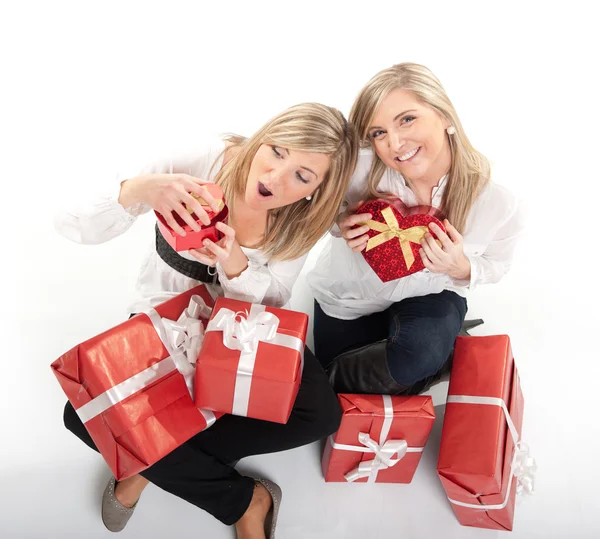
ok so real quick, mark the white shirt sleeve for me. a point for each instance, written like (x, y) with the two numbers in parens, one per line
(102, 218)
(96, 221)
(495, 261)
(270, 284)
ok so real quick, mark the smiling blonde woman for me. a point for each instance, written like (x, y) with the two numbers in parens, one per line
(397, 337)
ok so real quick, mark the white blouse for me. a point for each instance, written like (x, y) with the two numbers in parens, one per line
(347, 288)
(103, 218)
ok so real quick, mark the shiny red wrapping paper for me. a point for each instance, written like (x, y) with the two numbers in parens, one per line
(276, 373)
(412, 420)
(476, 448)
(193, 239)
(394, 237)
(137, 432)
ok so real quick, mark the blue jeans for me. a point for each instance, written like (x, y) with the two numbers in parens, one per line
(420, 334)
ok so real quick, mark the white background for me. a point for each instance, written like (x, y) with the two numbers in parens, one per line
(88, 86)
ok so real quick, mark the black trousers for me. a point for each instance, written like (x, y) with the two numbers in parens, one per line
(420, 333)
(200, 470)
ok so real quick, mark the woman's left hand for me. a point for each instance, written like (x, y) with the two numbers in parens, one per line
(213, 252)
(449, 258)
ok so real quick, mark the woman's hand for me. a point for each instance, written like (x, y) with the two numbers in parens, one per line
(227, 252)
(167, 193)
(449, 258)
(356, 238)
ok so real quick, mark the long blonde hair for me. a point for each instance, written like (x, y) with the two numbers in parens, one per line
(469, 169)
(311, 127)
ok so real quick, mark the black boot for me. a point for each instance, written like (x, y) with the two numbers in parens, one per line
(364, 370)
(467, 325)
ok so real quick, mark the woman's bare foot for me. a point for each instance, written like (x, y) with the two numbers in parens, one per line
(252, 523)
(129, 490)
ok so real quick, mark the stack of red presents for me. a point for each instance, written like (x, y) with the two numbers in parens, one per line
(482, 463)
(149, 384)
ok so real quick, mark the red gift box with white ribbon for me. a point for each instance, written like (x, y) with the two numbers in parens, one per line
(380, 439)
(251, 360)
(483, 463)
(132, 385)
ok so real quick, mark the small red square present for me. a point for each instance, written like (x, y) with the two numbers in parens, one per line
(251, 360)
(482, 463)
(380, 439)
(394, 237)
(193, 239)
(131, 385)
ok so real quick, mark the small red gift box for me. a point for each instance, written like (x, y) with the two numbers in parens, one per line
(380, 439)
(482, 464)
(132, 385)
(193, 239)
(251, 360)
(395, 237)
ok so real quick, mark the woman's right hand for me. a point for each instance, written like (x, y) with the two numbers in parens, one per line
(168, 193)
(356, 238)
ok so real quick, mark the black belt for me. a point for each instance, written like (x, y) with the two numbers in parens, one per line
(189, 268)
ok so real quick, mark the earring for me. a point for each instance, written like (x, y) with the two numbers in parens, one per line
(309, 197)
(451, 130)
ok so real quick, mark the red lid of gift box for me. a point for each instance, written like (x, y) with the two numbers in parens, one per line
(216, 192)
(193, 239)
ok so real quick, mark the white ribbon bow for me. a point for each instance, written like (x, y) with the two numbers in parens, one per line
(241, 331)
(185, 337)
(187, 333)
(383, 457)
(524, 468)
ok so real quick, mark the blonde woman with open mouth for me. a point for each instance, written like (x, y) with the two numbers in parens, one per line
(283, 187)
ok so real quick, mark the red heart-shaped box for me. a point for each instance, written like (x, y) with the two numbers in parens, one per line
(193, 239)
(394, 238)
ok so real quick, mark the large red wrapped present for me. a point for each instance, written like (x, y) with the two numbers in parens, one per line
(395, 237)
(251, 360)
(482, 462)
(132, 385)
(380, 439)
(194, 239)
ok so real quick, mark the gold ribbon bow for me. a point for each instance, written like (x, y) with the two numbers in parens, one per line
(203, 202)
(390, 230)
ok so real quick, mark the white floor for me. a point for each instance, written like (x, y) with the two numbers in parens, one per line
(51, 483)
(89, 84)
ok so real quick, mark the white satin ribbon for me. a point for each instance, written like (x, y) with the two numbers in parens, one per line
(182, 339)
(384, 450)
(522, 467)
(243, 331)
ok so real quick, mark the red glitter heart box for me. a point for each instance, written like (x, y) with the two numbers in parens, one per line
(395, 237)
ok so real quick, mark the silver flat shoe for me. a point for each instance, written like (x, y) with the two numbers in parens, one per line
(114, 514)
(276, 495)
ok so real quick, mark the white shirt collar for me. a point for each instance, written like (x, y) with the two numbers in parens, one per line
(439, 184)
(437, 191)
